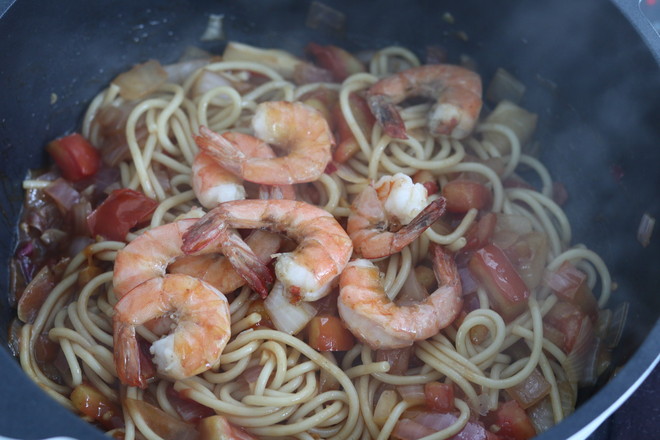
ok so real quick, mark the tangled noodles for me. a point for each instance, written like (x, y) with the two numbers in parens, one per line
(506, 365)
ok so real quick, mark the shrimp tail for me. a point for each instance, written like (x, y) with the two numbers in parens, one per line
(134, 365)
(213, 229)
(429, 215)
(221, 149)
(387, 115)
(259, 276)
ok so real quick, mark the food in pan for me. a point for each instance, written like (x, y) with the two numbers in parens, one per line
(263, 245)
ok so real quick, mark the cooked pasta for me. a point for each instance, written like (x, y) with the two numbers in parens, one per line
(274, 384)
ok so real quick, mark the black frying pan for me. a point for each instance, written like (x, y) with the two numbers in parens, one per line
(594, 82)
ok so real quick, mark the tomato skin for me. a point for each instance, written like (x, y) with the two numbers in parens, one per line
(567, 318)
(327, 333)
(119, 213)
(75, 156)
(514, 422)
(439, 396)
(463, 195)
(341, 63)
(504, 286)
(481, 232)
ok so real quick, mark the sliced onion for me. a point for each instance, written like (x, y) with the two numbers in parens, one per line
(529, 253)
(214, 28)
(35, 294)
(508, 228)
(323, 17)
(440, 421)
(565, 280)
(581, 361)
(519, 120)
(63, 194)
(161, 422)
(542, 416)
(407, 429)
(531, 390)
(142, 80)
(645, 229)
(287, 317)
(412, 393)
(616, 325)
(505, 86)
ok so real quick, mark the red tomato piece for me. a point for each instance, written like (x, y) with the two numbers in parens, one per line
(567, 318)
(463, 195)
(514, 422)
(341, 63)
(439, 396)
(504, 287)
(119, 213)
(481, 232)
(327, 333)
(75, 156)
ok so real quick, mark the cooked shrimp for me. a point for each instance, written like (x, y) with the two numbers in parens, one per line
(291, 126)
(456, 90)
(152, 253)
(203, 327)
(214, 183)
(323, 249)
(389, 203)
(382, 324)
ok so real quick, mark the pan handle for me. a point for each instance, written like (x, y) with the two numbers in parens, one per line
(644, 15)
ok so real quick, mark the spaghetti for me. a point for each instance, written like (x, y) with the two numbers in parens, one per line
(270, 383)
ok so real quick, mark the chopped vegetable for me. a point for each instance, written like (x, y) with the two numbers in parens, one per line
(528, 254)
(218, 428)
(120, 212)
(463, 195)
(513, 422)
(323, 17)
(505, 86)
(90, 402)
(522, 122)
(645, 229)
(327, 333)
(384, 406)
(287, 317)
(504, 287)
(570, 284)
(341, 63)
(481, 232)
(257, 306)
(161, 422)
(189, 410)
(531, 390)
(142, 80)
(75, 156)
(439, 396)
(37, 291)
(567, 318)
(413, 394)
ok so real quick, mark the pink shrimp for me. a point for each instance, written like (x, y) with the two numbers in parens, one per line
(214, 183)
(291, 126)
(456, 90)
(203, 327)
(387, 204)
(152, 253)
(323, 249)
(382, 324)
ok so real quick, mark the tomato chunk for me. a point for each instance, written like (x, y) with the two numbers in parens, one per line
(341, 63)
(327, 333)
(567, 318)
(513, 421)
(75, 156)
(439, 396)
(119, 213)
(504, 287)
(463, 195)
(90, 402)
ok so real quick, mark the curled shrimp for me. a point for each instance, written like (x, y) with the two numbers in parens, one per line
(213, 183)
(323, 249)
(292, 126)
(382, 324)
(155, 251)
(384, 206)
(456, 90)
(203, 327)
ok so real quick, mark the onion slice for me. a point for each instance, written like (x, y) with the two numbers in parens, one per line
(287, 317)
